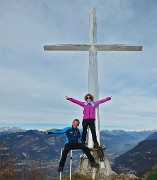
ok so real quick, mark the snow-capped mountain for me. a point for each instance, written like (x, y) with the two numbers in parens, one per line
(8, 130)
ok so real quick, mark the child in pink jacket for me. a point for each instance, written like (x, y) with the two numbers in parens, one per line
(89, 115)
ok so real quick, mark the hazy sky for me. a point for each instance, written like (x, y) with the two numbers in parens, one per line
(34, 83)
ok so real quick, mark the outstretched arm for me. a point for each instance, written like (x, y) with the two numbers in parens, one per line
(57, 131)
(96, 103)
(75, 101)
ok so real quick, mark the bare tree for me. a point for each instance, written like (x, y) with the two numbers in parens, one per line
(7, 161)
(36, 171)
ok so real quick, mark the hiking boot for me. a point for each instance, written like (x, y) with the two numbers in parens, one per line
(60, 169)
(96, 146)
(94, 164)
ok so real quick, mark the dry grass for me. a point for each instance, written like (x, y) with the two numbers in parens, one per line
(74, 177)
(111, 177)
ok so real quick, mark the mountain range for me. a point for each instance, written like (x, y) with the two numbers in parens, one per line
(140, 159)
(8, 130)
(33, 145)
(119, 141)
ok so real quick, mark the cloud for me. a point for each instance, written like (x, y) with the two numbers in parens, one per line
(34, 83)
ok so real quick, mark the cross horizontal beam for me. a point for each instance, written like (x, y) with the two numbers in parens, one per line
(67, 47)
(86, 47)
(117, 47)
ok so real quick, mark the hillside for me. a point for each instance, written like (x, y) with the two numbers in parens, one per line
(119, 141)
(140, 159)
(34, 147)
(152, 175)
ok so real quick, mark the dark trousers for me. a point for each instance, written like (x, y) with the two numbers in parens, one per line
(91, 124)
(72, 146)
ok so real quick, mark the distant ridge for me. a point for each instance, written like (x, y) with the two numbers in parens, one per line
(152, 136)
(8, 130)
(30, 145)
(140, 159)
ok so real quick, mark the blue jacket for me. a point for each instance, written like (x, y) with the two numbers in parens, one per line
(72, 134)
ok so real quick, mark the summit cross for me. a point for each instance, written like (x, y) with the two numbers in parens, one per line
(92, 48)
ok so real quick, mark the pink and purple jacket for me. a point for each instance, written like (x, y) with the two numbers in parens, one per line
(89, 107)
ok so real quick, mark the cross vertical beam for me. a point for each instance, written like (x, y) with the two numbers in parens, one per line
(93, 86)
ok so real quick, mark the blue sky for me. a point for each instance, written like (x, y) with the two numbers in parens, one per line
(34, 83)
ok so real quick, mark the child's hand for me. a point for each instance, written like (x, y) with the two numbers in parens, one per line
(109, 98)
(66, 97)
